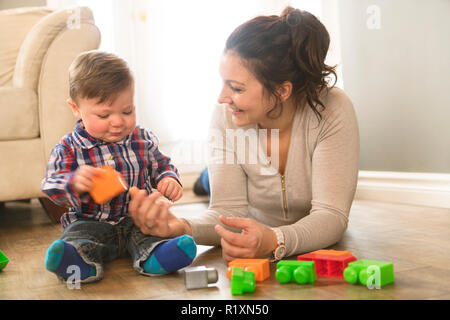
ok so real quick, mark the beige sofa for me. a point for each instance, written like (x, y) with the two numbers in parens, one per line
(37, 47)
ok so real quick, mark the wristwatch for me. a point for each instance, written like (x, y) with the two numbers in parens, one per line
(280, 250)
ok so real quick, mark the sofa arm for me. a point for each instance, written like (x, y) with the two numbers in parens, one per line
(38, 40)
(18, 114)
(55, 116)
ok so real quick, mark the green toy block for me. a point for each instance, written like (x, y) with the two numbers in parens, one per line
(361, 270)
(301, 272)
(3, 261)
(242, 281)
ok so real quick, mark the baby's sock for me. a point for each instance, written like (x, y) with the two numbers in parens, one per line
(171, 256)
(61, 255)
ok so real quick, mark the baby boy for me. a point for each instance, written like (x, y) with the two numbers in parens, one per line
(105, 133)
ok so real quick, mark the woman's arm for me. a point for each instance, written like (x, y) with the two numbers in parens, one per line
(335, 162)
(228, 183)
(228, 196)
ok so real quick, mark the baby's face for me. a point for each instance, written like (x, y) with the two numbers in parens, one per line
(105, 121)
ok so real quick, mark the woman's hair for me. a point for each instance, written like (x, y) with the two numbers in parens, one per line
(290, 47)
(97, 74)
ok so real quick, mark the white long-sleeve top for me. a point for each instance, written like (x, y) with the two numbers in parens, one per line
(319, 180)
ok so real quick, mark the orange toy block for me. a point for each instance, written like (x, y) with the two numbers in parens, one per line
(108, 184)
(260, 267)
(332, 253)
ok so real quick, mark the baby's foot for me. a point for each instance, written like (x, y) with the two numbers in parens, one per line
(62, 255)
(171, 256)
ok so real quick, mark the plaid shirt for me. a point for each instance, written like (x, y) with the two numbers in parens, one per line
(136, 157)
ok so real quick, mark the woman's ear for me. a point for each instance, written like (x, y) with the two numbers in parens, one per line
(74, 107)
(285, 90)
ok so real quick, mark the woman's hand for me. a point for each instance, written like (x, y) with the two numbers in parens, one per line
(255, 241)
(153, 217)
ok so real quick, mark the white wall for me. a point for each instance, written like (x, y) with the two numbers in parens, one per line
(396, 63)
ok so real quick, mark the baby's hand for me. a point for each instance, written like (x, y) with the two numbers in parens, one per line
(170, 188)
(82, 180)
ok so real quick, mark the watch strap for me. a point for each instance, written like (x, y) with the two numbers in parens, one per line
(280, 242)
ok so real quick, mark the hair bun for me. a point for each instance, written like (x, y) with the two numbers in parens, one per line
(291, 16)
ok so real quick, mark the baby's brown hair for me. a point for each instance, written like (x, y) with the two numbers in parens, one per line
(97, 74)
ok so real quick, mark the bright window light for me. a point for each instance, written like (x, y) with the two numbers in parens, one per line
(104, 20)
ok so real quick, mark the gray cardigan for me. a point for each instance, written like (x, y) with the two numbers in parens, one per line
(319, 180)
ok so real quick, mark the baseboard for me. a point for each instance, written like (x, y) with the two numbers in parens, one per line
(425, 189)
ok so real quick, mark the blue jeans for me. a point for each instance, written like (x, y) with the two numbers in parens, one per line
(99, 242)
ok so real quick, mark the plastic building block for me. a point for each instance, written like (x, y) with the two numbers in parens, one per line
(3, 261)
(242, 281)
(301, 272)
(329, 263)
(108, 184)
(333, 253)
(260, 267)
(361, 270)
(199, 277)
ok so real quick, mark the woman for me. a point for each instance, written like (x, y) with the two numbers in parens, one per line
(274, 78)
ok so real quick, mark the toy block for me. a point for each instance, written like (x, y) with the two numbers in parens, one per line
(199, 277)
(301, 272)
(332, 252)
(3, 261)
(242, 281)
(260, 267)
(329, 263)
(107, 184)
(361, 270)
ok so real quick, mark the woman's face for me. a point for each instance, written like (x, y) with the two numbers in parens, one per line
(242, 92)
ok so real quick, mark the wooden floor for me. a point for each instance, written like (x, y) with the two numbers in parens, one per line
(416, 239)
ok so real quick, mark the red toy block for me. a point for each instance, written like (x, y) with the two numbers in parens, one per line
(333, 252)
(108, 184)
(329, 263)
(260, 267)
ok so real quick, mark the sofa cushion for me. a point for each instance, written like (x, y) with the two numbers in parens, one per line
(18, 114)
(15, 24)
(37, 42)
(22, 167)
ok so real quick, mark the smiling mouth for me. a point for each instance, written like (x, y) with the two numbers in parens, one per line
(236, 110)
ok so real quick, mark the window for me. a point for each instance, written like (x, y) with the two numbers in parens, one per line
(174, 50)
